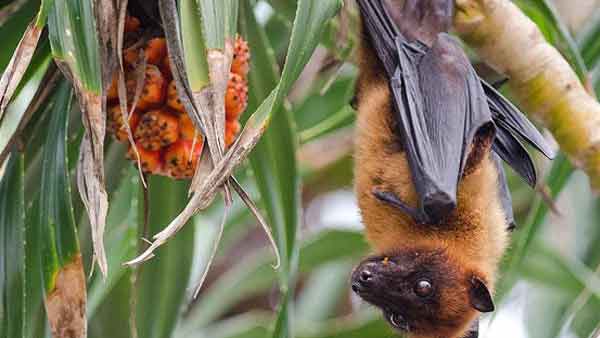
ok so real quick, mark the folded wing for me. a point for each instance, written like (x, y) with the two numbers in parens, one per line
(440, 104)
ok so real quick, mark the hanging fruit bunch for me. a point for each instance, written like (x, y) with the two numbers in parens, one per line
(165, 137)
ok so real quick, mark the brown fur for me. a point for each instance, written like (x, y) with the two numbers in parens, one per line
(474, 235)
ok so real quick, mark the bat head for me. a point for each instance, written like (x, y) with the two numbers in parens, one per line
(422, 292)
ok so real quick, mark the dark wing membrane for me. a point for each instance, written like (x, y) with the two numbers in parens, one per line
(504, 192)
(510, 149)
(512, 120)
(382, 32)
(440, 106)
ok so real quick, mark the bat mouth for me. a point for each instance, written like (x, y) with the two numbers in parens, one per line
(396, 320)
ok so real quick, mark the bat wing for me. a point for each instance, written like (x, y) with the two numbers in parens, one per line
(440, 107)
(512, 125)
(440, 104)
(382, 33)
(503, 190)
(512, 151)
(512, 120)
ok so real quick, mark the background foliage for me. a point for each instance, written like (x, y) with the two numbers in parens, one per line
(300, 174)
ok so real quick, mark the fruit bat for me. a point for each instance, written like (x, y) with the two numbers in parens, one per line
(430, 140)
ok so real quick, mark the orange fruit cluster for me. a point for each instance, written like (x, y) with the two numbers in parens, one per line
(165, 137)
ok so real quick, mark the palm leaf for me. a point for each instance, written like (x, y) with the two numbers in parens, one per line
(64, 279)
(29, 96)
(15, 70)
(13, 252)
(76, 50)
(162, 282)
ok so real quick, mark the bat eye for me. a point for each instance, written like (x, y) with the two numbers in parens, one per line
(423, 288)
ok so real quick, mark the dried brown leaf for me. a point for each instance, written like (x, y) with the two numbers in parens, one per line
(42, 93)
(222, 172)
(140, 75)
(219, 63)
(105, 13)
(65, 304)
(261, 220)
(90, 168)
(18, 65)
(90, 171)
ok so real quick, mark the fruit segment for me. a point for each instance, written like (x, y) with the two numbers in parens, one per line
(116, 125)
(231, 130)
(130, 57)
(150, 160)
(187, 130)
(157, 129)
(173, 100)
(156, 50)
(181, 160)
(113, 92)
(153, 91)
(241, 58)
(236, 98)
(132, 24)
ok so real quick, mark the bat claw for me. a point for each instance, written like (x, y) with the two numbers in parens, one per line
(394, 201)
(438, 205)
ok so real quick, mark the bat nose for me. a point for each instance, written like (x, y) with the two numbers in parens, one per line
(363, 278)
(437, 205)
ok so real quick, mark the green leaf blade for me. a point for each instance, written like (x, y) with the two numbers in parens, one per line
(55, 199)
(193, 45)
(72, 34)
(62, 266)
(163, 280)
(12, 251)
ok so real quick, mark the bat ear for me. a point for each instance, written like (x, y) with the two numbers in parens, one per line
(480, 296)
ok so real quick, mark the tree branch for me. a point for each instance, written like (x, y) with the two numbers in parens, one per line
(541, 79)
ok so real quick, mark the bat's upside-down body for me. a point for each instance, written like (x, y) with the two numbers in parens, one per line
(433, 197)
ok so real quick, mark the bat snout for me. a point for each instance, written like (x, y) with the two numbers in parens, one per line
(364, 278)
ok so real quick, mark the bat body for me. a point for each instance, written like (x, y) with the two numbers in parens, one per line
(428, 177)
